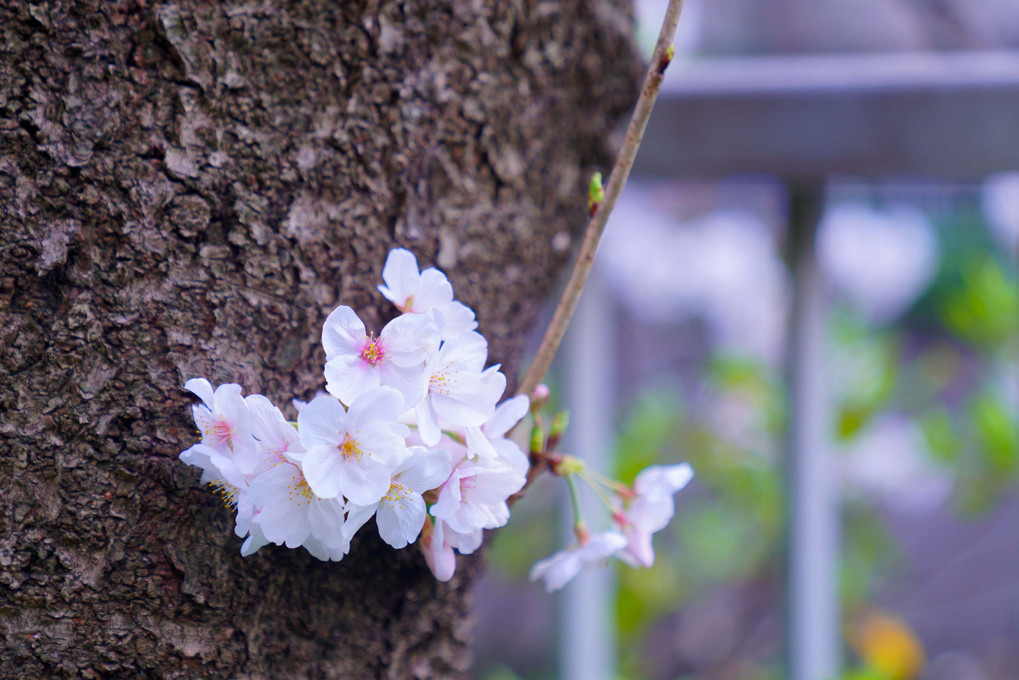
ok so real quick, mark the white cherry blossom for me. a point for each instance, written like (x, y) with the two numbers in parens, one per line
(559, 569)
(650, 510)
(401, 512)
(352, 452)
(291, 514)
(427, 292)
(228, 454)
(461, 392)
(357, 362)
(490, 441)
(222, 420)
(474, 497)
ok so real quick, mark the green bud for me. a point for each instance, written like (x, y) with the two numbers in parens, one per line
(595, 193)
(537, 445)
(569, 465)
(559, 423)
(666, 59)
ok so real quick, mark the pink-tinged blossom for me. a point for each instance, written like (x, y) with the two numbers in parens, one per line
(277, 438)
(474, 497)
(439, 555)
(650, 510)
(428, 292)
(461, 392)
(489, 440)
(353, 452)
(401, 512)
(560, 568)
(439, 544)
(358, 362)
(228, 454)
(222, 420)
(289, 513)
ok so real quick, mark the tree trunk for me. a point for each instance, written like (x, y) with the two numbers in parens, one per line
(188, 190)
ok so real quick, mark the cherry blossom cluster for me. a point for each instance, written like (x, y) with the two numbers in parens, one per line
(410, 432)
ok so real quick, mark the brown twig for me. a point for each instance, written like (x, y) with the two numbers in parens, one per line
(621, 170)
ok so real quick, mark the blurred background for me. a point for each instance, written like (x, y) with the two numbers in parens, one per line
(809, 291)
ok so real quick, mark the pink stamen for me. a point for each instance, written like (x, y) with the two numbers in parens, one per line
(374, 352)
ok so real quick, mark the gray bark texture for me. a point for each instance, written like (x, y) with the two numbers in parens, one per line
(188, 190)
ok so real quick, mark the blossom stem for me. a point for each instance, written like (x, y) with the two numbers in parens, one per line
(578, 518)
(592, 234)
(618, 487)
(596, 485)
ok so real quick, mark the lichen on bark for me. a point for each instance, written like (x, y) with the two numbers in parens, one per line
(187, 190)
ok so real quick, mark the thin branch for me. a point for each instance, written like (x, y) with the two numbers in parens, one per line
(620, 171)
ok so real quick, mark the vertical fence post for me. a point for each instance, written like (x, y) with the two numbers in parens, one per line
(587, 613)
(813, 639)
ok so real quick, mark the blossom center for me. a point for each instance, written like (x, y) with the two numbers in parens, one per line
(300, 493)
(226, 491)
(397, 492)
(217, 431)
(350, 449)
(374, 352)
(439, 382)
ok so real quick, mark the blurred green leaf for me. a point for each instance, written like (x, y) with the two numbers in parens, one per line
(649, 428)
(867, 552)
(984, 310)
(997, 432)
(942, 440)
(864, 674)
(645, 595)
(724, 544)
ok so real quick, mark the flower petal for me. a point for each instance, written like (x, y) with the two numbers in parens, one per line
(400, 519)
(322, 422)
(348, 377)
(322, 468)
(363, 482)
(201, 388)
(425, 469)
(401, 276)
(342, 333)
(507, 414)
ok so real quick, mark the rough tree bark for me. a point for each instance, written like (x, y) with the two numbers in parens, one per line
(187, 190)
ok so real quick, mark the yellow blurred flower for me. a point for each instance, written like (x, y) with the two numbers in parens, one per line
(887, 645)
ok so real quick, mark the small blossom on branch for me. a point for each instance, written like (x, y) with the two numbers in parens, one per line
(560, 568)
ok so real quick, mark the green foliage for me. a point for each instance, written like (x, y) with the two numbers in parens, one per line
(941, 436)
(984, 310)
(997, 433)
(650, 427)
(867, 552)
(864, 673)
(865, 372)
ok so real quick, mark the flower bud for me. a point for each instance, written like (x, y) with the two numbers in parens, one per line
(539, 397)
(595, 193)
(559, 424)
(537, 446)
(666, 59)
